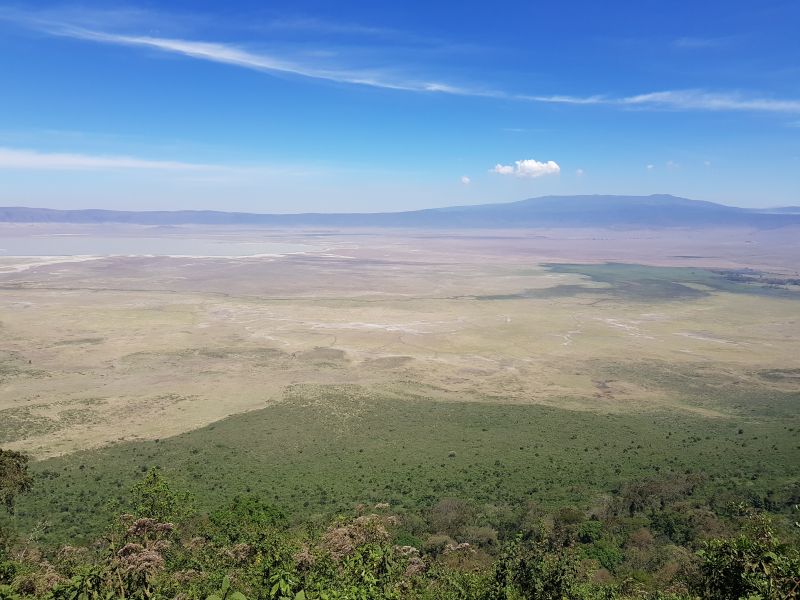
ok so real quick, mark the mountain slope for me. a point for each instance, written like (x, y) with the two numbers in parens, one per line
(546, 211)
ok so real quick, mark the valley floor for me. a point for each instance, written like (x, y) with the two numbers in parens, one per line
(493, 366)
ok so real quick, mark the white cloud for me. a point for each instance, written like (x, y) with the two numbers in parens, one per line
(650, 167)
(672, 165)
(11, 158)
(238, 56)
(559, 99)
(503, 169)
(466, 180)
(528, 168)
(702, 100)
(707, 163)
(579, 172)
(23, 159)
(67, 25)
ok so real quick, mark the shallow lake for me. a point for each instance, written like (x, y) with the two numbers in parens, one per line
(91, 245)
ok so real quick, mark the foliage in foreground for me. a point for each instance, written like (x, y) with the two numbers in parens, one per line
(14, 477)
(162, 548)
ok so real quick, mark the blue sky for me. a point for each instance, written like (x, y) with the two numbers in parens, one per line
(371, 106)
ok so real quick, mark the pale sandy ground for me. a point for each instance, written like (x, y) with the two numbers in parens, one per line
(95, 351)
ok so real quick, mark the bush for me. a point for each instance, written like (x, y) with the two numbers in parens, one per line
(606, 553)
(590, 531)
(753, 564)
(533, 572)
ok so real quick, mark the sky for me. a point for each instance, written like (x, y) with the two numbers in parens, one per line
(381, 106)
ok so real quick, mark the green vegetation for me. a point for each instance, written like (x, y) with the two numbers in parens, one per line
(14, 477)
(631, 282)
(327, 448)
(161, 548)
(737, 394)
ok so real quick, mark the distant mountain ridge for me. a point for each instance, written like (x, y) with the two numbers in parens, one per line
(660, 210)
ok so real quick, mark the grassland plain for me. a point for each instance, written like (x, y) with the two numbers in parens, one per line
(404, 368)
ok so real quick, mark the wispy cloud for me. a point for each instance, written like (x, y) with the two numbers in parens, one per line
(233, 55)
(12, 158)
(702, 100)
(699, 43)
(682, 100)
(386, 78)
(239, 56)
(560, 99)
(26, 159)
(528, 168)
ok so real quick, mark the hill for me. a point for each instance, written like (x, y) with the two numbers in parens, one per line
(547, 211)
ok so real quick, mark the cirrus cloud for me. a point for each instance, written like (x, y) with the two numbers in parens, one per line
(21, 159)
(528, 168)
(102, 28)
(13, 158)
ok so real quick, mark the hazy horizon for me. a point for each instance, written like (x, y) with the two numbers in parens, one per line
(378, 211)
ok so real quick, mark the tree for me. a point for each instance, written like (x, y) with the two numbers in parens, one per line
(14, 477)
(532, 571)
(154, 498)
(754, 564)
